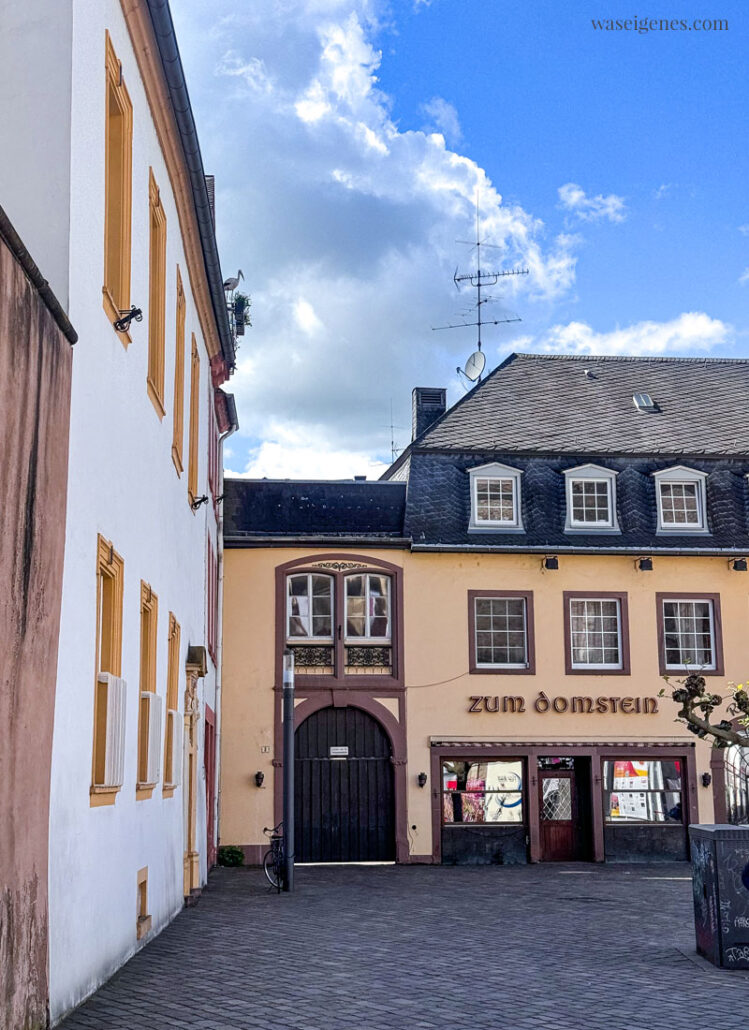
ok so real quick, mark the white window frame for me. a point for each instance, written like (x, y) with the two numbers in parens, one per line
(691, 666)
(496, 471)
(682, 474)
(366, 638)
(500, 665)
(301, 640)
(603, 666)
(596, 474)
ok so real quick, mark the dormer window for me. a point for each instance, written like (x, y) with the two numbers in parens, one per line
(681, 498)
(495, 499)
(591, 500)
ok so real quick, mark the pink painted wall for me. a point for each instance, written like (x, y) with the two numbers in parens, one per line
(35, 368)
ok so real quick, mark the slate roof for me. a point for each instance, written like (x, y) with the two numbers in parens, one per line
(540, 414)
(292, 509)
(546, 403)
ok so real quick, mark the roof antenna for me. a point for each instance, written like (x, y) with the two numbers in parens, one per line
(479, 280)
(394, 451)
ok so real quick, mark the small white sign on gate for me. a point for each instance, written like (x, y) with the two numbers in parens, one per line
(338, 752)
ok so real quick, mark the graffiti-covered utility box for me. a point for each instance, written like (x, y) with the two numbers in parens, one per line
(720, 882)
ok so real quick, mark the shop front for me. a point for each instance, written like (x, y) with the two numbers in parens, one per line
(503, 803)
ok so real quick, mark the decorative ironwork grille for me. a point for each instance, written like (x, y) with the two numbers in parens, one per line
(366, 656)
(557, 800)
(312, 657)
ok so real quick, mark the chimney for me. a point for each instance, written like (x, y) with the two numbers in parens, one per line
(427, 404)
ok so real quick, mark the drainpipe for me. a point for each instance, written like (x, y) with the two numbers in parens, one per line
(220, 615)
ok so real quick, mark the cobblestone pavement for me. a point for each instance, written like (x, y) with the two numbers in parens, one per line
(412, 948)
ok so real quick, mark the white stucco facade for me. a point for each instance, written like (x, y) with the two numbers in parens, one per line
(123, 484)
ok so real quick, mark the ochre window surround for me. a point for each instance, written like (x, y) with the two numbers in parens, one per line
(143, 921)
(622, 668)
(148, 711)
(519, 669)
(109, 592)
(156, 296)
(352, 660)
(192, 468)
(172, 751)
(118, 178)
(179, 378)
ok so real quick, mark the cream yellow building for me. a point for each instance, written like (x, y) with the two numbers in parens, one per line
(480, 639)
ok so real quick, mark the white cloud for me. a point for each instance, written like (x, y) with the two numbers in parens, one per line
(744, 230)
(689, 332)
(443, 117)
(574, 199)
(744, 277)
(292, 454)
(663, 190)
(345, 223)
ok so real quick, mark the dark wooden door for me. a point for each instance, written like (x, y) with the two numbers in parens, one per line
(343, 789)
(557, 814)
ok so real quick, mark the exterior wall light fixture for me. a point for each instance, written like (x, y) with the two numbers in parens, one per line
(738, 564)
(122, 324)
(259, 777)
(422, 779)
(645, 564)
(706, 779)
(550, 562)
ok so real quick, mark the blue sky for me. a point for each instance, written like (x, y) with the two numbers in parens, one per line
(349, 138)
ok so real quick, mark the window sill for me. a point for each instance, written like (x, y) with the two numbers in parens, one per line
(596, 670)
(155, 398)
(112, 312)
(143, 927)
(168, 791)
(502, 670)
(497, 527)
(610, 530)
(682, 531)
(143, 791)
(101, 796)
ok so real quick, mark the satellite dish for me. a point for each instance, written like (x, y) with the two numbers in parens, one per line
(475, 365)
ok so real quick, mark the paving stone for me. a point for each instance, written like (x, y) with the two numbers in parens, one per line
(428, 948)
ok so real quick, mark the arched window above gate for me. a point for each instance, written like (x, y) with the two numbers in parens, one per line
(341, 617)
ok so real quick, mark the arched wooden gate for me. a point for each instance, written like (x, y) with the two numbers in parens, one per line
(343, 785)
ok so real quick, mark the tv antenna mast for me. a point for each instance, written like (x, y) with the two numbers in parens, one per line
(479, 280)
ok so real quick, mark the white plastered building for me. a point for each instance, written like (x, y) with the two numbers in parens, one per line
(102, 175)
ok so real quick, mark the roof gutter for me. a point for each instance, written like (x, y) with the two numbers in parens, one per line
(716, 552)
(166, 40)
(40, 284)
(237, 540)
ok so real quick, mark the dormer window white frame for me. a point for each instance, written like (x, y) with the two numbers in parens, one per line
(681, 498)
(591, 500)
(495, 499)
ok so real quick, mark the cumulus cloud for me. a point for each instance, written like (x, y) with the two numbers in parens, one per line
(574, 199)
(290, 454)
(691, 331)
(442, 117)
(345, 223)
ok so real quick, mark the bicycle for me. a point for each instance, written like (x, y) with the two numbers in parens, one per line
(273, 864)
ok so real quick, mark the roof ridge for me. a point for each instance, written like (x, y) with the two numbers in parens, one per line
(632, 358)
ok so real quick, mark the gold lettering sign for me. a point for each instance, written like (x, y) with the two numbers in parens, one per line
(510, 704)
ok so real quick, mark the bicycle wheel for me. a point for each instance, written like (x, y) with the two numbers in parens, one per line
(272, 869)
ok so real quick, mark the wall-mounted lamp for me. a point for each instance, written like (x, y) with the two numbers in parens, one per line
(706, 779)
(421, 779)
(122, 324)
(550, 562)
(198, 501)
(259, 777)
(738, 564)
(645, 564)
